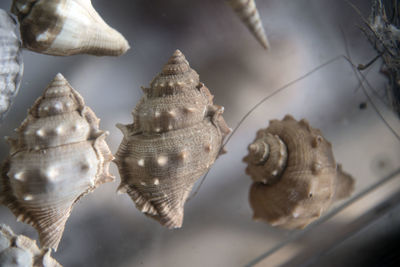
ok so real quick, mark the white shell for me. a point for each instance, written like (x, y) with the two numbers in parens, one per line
(59, 156)
(11, 65)
(21, 251)
(248, 13)
(66, 27)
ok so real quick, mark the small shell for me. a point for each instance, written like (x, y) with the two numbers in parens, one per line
(66, 27)
(295, 174)
(248, 13)
(10, 61)
(59, 156)
(20, 251)
(176, 136)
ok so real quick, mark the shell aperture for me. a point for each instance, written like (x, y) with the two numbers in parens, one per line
(59, 156)
(176, 136)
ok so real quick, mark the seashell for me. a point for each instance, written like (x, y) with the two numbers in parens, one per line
(248, 13)
(59, 156)
(66, 27)
(295, 174)
(10, 61)
(176, 136)
(21, 251)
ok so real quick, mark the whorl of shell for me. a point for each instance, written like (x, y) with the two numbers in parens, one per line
(248, 13)
(59, 156)
(21, 251)
(11, 64)
(66, 27)
(295, 174)
(176, 136)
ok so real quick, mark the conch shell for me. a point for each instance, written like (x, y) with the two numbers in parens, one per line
(10, 61)
(295, 174)
(21, 251)
(66, 27)
(60, 155)
(176, 136)
(248, 13)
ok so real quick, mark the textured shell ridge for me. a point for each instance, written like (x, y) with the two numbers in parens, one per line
(292, 190)
(61, 148)
(175, 138)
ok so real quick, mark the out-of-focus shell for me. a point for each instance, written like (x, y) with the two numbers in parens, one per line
(11, 64)
(176, 136)
(21, 251)
(59, 156)
(295, 174)
(248, 13)
(66, 27)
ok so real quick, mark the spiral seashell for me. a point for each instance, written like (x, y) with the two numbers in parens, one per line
(295, 174)
(10, 61)
(66, 27)
(248, 13)
(176, 136)
(59, 156)
(21, 251)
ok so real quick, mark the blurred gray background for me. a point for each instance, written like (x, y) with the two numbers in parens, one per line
(105, 229)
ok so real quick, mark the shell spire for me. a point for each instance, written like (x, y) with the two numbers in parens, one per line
(66, 27)
(248, 13)
(59, 156)
(176, 136)
(10, 61)
(295, 174)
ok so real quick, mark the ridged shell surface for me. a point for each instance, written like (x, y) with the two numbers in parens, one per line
(59, 156)
(248, 13)
(176, 136)
(66, 27)
(295, 174)
(21, 251)
(11, 64)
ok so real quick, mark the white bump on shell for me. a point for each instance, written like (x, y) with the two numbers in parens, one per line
(162, 160)
(141, 162)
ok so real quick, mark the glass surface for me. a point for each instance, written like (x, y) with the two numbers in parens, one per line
(106, 229)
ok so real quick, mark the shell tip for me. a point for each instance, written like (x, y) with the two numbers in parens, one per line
(59, 76)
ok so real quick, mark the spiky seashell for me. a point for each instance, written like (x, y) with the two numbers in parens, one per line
(10, 61)
(21, 251)
(66, 27)
(248, 13)
(59, 156)
(176, 136)
(295, 174)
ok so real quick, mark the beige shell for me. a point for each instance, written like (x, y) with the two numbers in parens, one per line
(295, 174)
(21, 251)
(248, 13)
(66, 27)
(10, 61)
(176, 136)
(59, 156)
